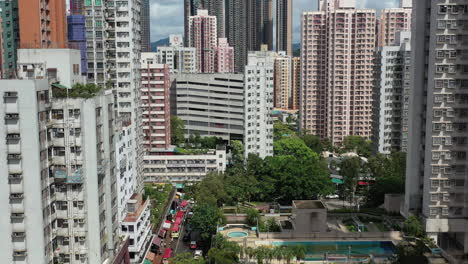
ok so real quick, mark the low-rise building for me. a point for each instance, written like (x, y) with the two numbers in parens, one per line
(172, 167)
(137, 226)
(180, 59)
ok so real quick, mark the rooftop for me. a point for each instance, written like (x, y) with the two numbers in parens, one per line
(138, 204)
(308, 204)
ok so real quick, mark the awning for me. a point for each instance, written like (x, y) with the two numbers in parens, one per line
(167, 253)
(58, 85)
(178, 220)
(184, 203)
(180, 214)
(162, 233)
(175, 228)
(337, 181)
(147, 262)
(179, 186)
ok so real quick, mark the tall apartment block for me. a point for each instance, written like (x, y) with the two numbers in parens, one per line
(249, 24)
(210, 104)
(436, 181)
(392, 21)
(77, 37)
(190, 9)
(60, 191)
(10, 37)
(203, 37)
(155, 104)
(392, 95)
(284, 15)
(224, 57)
(284, 74)
(337, 70)
(296, 83)
(42, 24)
(180, 59)
(145, 26)
(214, 7)
(258, 103)
(113, 54)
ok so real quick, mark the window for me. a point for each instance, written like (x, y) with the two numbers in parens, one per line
(434, 197)
(434, 211)
(434, 183)
(98, 2)
(87, 2)
(445, 211)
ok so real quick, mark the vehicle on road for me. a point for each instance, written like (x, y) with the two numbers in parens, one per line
(193, 244)
(175, 231)
(332, 196)
(197, 254)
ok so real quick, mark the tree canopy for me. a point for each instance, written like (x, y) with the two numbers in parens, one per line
(177, 130)
(186, 258)
(358, 144)
(206, 217)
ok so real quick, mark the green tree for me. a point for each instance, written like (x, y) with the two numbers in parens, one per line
(413, 227)
(281, 130)
(252, 216)
(224, 251)
(177, 130)
(313, 142)
(240, 187)
(351, 169)
(205, 219)
(358, 144)
(294, 146)
(211, 189)
(406, 253)
(237, 150)
(186, 258)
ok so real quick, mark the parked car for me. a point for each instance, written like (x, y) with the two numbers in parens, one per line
(197, 254)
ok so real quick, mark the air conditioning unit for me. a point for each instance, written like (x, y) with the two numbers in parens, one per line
(80, 221)
(82, 239)
(66, 239)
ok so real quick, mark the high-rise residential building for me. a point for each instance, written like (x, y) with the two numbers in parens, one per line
(180, 59)
(210, 104)
(10, 37)
(77, 37)
(436, 178)
(58, 157)
(392, 21)
(42, 24)
(190, 9)
(392, 95)
(224, 57)
(249, 24)
(113, 54)
(283, 81)
(203, 37)
(284, 14)
(214, 7)
(155, 103)
(296, 83)
(258, 103)
(145, 26)
(76, 7)
(337, 70)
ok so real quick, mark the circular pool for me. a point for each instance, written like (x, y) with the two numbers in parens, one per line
(237, 234)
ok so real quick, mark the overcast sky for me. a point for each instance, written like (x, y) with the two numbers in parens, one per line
(167, 16)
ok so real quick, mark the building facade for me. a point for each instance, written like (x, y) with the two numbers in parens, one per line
(77, 37)
(203, 37)
(249, 24)
(155, 103)
(436, 181)
(171, 167)
(180, 59)
(10, 37)
(224, 57)
(59, 189)
(283, 81)
(145, 26)
(42, 24)
(210, 104)
(392, 21)
(296, 83)
(76, 7)
(258, 103)
(337, 71)
(392, 95)
(284, 14)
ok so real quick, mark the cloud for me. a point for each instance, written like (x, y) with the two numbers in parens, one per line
(167, 16)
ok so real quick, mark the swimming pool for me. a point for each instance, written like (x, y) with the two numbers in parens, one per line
(316, 250)
(237, 234)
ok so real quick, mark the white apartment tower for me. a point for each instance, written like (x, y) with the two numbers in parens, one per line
(437, 180)
(180, 59)
(392, 21)
(392, 95)
(113, 33)
(337, 70)
(258, 103)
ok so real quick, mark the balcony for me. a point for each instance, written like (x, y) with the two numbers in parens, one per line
(18, 253)
(16, 196)
(11, 116)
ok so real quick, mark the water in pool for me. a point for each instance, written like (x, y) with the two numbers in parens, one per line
(356, 248)
(237, 234)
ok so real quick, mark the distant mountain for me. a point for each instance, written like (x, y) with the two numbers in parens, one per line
(161, 42)
(296, 47)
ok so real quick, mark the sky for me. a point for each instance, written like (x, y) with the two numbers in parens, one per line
(167, 16)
